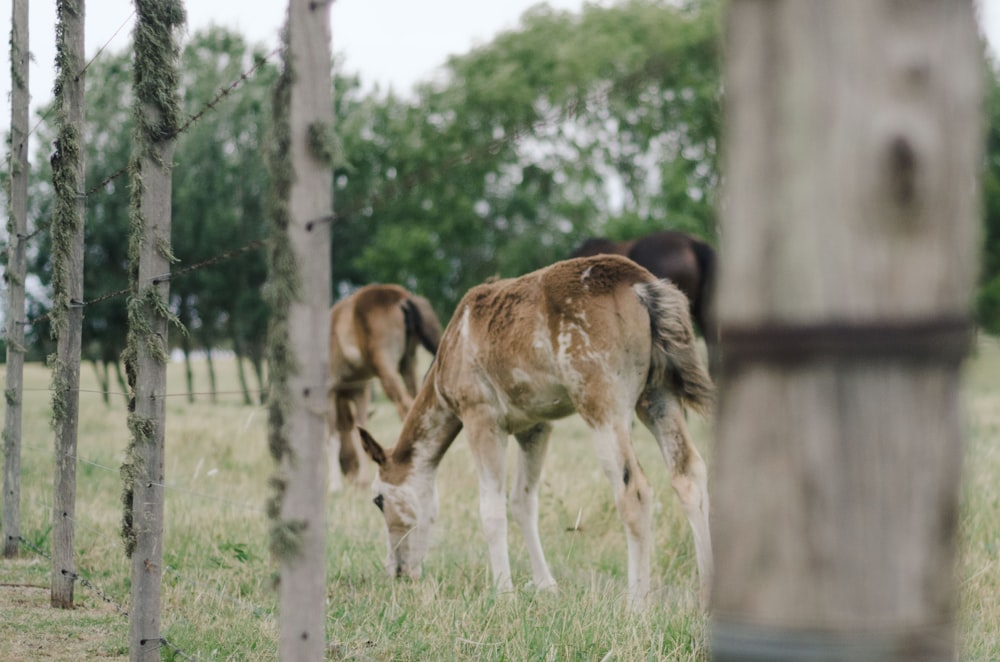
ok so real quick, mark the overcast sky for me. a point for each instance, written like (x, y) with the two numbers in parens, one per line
(389, 42)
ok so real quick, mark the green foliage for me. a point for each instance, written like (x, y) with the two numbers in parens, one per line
(988, 299)
(571, 125)
(219, 196)
(604, 122)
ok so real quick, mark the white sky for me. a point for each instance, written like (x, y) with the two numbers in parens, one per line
(389, 42)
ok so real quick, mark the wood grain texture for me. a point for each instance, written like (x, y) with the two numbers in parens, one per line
(853, 140)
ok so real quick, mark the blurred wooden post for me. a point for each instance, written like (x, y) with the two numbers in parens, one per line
(850, 257)
(17, 232)
(67, 286)
(302, 591)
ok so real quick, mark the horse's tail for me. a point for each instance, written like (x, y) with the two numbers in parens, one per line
(675, 361)
(422, 322)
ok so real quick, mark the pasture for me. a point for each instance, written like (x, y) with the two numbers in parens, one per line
(218, 596)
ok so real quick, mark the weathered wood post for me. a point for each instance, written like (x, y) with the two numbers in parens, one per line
(850, 226)
(67, 290)
(156, 111)
(17, 232)
(298, 346)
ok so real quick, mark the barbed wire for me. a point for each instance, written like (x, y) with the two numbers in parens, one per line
(223, 596)
(221, 94)
(379, 200)
(75, 576)
(45, 115)
(184, 394)
(171, 487)
(79, 577)
(258, 612)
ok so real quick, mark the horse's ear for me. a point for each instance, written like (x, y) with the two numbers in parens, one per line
(371, 447)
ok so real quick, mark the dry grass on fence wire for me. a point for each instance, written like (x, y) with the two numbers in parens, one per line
(217, 597)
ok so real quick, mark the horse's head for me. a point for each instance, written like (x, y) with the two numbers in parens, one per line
(409, 506)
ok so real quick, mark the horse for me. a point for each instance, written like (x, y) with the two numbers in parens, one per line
(374, 332)
(599, 336)
(682, 258)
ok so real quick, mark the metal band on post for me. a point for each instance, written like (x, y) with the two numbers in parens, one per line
(944, 340)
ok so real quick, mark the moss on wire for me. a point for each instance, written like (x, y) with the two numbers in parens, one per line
(282, 289)
(157, 113)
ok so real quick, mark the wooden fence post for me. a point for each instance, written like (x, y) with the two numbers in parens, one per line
(157, 118)
(850, 258)
(67, 288)
(299, 286)
(17, 232)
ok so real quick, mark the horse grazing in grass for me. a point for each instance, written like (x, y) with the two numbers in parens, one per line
(374, 332)
(600, 336)
(684, 260)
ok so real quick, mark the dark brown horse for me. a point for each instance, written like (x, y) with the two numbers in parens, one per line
(684, 260)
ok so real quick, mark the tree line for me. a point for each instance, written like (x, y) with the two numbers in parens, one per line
(603, 122)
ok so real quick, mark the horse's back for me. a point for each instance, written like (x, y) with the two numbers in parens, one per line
(574, 336)
(371, 316)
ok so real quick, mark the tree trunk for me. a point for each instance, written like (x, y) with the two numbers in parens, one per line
(850, 244)
(122, 384)
(258, 371)
(212, 384)
(67, 257)
(17, 232)
(239, 350)
(103, 379)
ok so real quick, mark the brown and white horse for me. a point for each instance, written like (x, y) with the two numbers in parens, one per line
(374, 332)
(600, 336)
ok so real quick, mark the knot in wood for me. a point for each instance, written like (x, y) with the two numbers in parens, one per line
(902, 171)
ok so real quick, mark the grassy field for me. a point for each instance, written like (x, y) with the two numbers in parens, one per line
(218, 601)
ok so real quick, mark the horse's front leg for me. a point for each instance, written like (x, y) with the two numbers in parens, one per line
(488, 444)
(524, 499)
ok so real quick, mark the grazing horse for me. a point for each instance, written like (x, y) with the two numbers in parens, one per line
(685, 260)
(600, 336)
(374, 332)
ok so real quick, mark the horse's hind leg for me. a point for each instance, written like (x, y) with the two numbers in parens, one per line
(633, 498)
(524, 498)
(392, 384)
(408, 370)
(662, 414)
(336, 479)
(344, 441)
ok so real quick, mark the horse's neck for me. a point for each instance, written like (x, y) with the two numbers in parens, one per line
(428, 430)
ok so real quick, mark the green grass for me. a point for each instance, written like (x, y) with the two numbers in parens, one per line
(218, 600)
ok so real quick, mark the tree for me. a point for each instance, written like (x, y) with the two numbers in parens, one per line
(220, 189)
(569, 126)
(988, 298)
